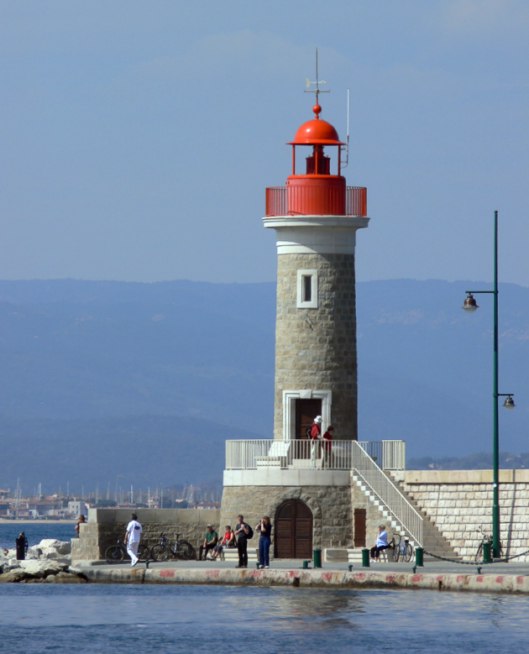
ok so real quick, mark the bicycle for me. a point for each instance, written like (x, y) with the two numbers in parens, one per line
(402, 549)
(485, 538)
(118, 552)
(180, 549)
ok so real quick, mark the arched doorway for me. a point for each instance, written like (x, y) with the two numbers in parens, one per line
(293, 531)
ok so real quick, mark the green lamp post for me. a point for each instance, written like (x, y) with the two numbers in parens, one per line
(470, 304)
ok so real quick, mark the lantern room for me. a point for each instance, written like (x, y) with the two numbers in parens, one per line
(316, 186)
(317, 134)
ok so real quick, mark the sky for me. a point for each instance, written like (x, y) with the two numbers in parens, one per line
(138, 137)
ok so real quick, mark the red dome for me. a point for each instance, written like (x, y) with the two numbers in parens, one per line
(316, 132)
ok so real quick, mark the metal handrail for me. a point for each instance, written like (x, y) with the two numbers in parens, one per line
(277, 203)
(387, 493)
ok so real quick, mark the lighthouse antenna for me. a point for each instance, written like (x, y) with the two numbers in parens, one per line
(316, 83)
(346, 146)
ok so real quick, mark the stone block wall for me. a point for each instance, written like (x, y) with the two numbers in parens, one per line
(459, 503)
(330, 506)
(106, 526)
(316, 348)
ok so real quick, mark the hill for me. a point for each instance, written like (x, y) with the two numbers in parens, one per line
(145, 382)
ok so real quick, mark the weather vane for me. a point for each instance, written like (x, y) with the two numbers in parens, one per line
(316, 83)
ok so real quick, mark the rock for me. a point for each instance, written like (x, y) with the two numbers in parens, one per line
(60, 546)
(44, 561)
(41, 568)
(65, 577)
(32, 570)
(13, 576)
(49, 548)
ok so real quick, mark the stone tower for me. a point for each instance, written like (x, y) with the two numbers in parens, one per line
(307, 489)
(316, 217)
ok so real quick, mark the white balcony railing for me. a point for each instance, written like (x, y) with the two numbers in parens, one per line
(340, 455)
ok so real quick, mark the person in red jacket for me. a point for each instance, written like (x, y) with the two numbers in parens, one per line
(327, 447)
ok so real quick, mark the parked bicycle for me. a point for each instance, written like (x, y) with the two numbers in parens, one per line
(180, 549)
(485, 538)
(118, 552)
(402, 549)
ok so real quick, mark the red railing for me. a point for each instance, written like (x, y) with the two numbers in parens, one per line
(277, 201)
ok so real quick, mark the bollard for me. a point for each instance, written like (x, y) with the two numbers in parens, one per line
(316, 557)
(419, 557)
(350, 567)
(487, 552)
(365, 558)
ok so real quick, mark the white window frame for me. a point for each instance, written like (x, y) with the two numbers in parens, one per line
(302, 303)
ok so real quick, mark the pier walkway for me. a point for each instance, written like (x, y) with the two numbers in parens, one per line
(509, 577)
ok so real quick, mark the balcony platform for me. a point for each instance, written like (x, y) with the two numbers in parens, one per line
(275, 476)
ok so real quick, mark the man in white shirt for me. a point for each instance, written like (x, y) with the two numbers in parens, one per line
(132, 539)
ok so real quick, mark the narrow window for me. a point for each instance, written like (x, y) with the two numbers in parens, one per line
(307, 289)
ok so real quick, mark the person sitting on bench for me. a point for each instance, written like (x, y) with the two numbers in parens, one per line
(381, 543)
(228, 540)
(211, 538)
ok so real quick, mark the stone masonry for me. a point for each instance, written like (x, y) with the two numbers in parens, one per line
(106, 526)
(330, 506)
(459, 503)
(316, 348)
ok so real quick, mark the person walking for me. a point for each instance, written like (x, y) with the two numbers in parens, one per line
(132, 539)
(265, 538)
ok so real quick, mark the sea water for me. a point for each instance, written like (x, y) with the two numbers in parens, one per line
(35, 531)
(151, 619)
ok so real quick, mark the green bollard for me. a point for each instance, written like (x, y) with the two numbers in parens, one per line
(419, 557)
(487, 552)
(316, 557)
(365, 558)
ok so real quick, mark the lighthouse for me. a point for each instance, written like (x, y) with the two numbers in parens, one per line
(316, 217)
(306, 487)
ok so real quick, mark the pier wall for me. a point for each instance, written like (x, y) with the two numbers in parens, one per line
(459, 503)
(106, 526)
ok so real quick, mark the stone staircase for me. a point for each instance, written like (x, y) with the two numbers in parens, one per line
(433, 541)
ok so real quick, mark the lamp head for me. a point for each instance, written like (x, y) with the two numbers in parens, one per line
(470, 303)
(509, 402)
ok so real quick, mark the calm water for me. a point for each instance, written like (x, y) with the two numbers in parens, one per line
(233, 620)
(35, 532)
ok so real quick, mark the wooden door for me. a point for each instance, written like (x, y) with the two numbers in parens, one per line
(293, 531)
(306, 411)
(360, 527)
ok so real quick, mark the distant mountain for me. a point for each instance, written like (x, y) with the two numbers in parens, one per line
(145, 382)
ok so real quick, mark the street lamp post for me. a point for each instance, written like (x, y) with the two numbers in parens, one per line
(470, 304)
